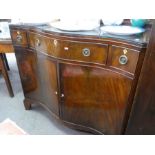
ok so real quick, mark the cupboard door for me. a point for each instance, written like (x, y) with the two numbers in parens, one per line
(94, 97)
(27, 65)
(48, 74)
(39, 78)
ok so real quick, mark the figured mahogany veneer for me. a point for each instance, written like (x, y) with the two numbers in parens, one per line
(132, 55)
(80, 80)
(41, 43)
(67, 49)
(19, 37)
(94, 97)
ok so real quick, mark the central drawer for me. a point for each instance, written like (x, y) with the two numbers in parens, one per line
(81, 51)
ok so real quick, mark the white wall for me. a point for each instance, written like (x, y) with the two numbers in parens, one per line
(49, 9)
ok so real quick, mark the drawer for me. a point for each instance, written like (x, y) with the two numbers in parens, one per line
(123, 58)
(81, 51)
(41, 43)
(19, 38)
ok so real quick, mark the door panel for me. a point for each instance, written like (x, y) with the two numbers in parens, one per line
(39, 78)
(94, 97)
(48, 74)
(27, 64)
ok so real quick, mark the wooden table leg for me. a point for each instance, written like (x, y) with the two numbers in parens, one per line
(6, 61)
(6, 77)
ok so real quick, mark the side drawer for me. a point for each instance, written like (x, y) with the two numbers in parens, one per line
(81, 51)
(41, 43)
(123, 58)
(19, 37)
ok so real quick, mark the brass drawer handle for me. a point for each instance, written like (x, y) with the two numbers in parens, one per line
(125, 51)
(19, 38)
(123, 59)
(55, 42)
(37, 42)
(62, 95)
(86, 52)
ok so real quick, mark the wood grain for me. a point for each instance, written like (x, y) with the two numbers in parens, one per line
(92, 93)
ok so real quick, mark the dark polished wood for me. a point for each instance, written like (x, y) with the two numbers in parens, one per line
(79, 78)
(49, 85)
(132, 55)
(5, 47)
(75, 51)
(41, 42)
(68, 49)
(3, 69)
(6, 61)
(19, 37)
(142, 117)
(38, 76)
(27, 104)
(94, 97)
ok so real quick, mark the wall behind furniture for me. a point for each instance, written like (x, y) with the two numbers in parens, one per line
(73, 8)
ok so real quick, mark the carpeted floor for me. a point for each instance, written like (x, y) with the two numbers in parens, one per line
(8, 127)
(36, 121)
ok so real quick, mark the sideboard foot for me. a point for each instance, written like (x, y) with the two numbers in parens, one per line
(27, 104)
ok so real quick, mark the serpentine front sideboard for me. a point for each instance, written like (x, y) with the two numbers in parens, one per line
(83, 78)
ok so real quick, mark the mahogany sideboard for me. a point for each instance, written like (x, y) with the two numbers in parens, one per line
(85, 79)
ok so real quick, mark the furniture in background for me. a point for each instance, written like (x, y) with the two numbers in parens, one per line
(86, 80)
(5, 47)
(142, 117)
(6, 61)
(3, 66)
(4, 55)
